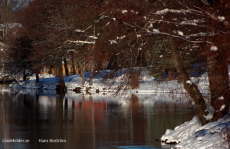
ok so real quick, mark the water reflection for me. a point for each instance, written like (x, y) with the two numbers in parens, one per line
(85, 121)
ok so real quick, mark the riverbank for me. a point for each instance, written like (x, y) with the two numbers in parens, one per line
(214, 135)
(146, 84)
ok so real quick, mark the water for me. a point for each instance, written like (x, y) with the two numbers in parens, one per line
(46, 120)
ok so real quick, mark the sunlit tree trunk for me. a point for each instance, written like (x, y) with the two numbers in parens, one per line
(66, 67)
(73, 64)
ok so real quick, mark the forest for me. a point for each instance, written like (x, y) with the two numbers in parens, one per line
(160, 35)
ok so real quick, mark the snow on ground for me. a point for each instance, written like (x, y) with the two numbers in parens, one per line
(214, 135)
(147, 83)
(189, 135)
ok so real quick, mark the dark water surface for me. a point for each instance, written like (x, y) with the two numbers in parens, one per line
(32, 120)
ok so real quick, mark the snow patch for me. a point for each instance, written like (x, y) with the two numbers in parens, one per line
(221, 18)
(191, 135)
(222, 107)
(138, 35)
(221, 98)
(112, 41)
(81, 42)
(189, 82)
(122, 37)
(210, 110)
(181, 33)
(124, 11)
(155, 31)
(214, 48)
(79, 31)
(164, 11)
(93, 37)
(181, 132)
(134, 12)
(209, 116)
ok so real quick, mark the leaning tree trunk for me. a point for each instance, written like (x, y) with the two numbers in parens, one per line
(190, 87)
(217, 64)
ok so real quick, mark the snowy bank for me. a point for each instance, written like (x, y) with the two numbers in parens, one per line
(214, 135)
(146, 83)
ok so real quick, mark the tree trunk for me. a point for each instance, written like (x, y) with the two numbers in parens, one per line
(82, 74)
(50, 71)
(217, 63)
(91, 75)
(190, 87)
(73, 64)
(3, 67)
(37, 77)
(171, 74)
(134, 78)
(24, 75)
(66, 67)
(60, 75)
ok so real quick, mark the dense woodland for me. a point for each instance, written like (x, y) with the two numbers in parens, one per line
(160, 35)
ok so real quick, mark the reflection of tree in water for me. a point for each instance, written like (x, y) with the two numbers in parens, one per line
(89, 121)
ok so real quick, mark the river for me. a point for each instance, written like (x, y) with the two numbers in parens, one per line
(44, 119)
